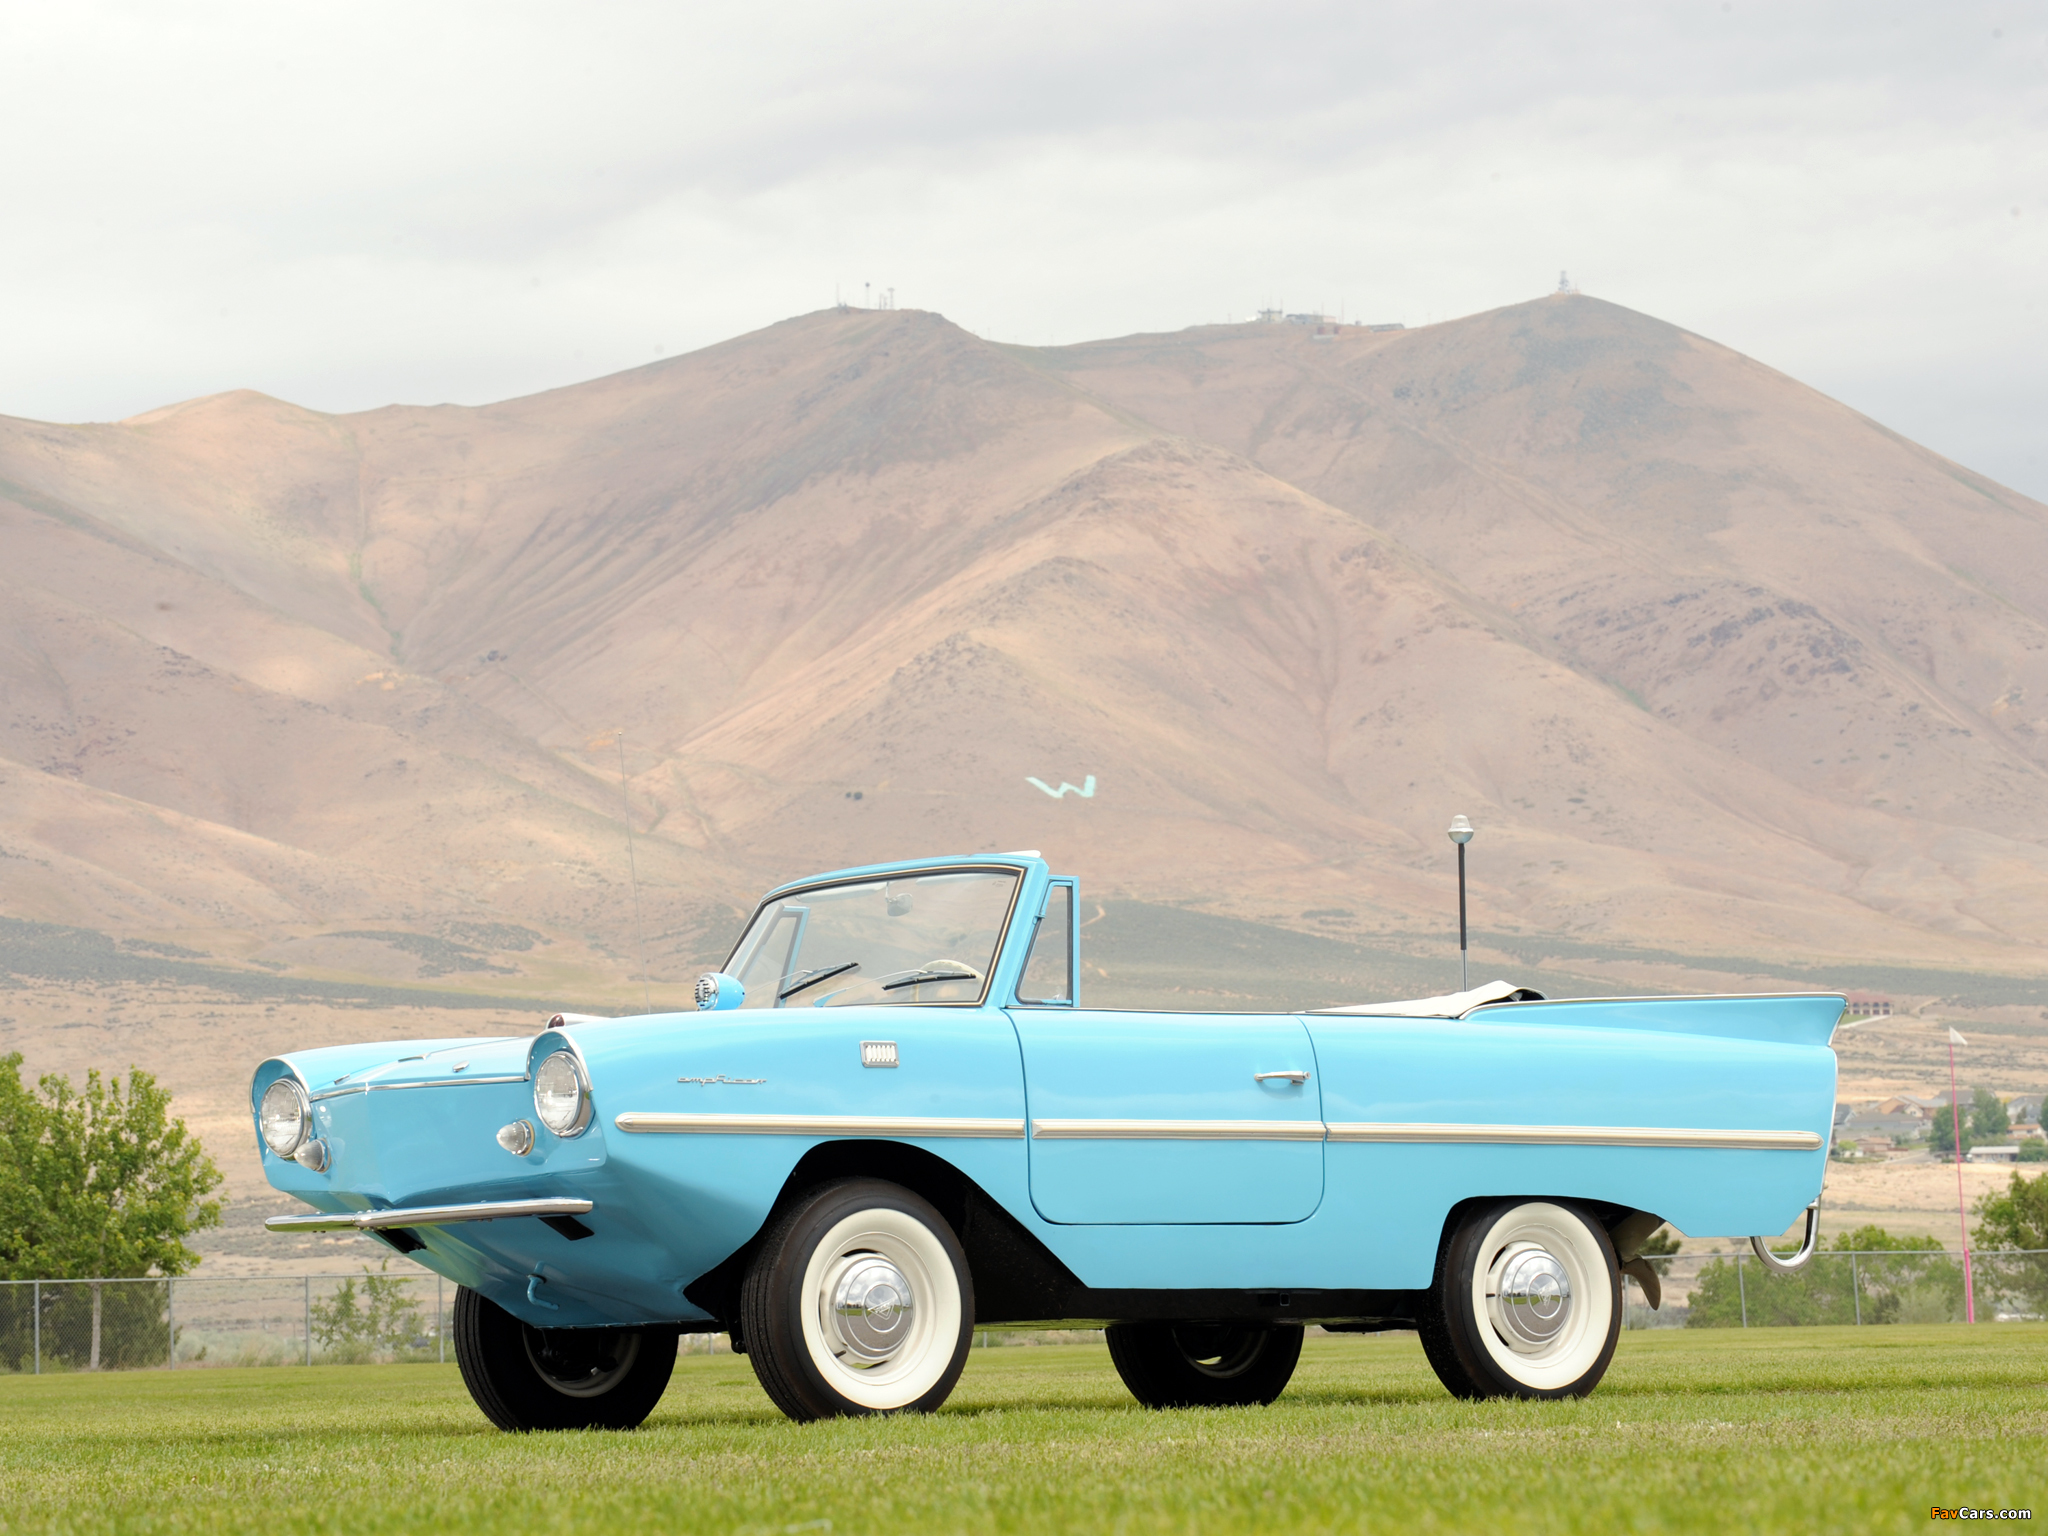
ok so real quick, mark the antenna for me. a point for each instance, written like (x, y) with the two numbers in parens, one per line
(633, 871)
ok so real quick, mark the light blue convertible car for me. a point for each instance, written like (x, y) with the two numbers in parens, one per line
(891, 1120)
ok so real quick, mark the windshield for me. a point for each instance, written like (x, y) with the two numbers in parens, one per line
(915, 939)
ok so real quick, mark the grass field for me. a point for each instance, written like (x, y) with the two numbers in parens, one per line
(1788, 1430)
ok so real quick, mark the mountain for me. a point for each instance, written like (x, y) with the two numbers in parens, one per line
(1718, 666)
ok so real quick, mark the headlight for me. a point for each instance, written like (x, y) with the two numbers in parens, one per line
(284, 1117)
(561, 1098)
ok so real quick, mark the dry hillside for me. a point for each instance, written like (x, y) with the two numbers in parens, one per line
(312, 727)
(1718, 666)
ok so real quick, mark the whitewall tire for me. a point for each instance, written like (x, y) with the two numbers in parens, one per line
(858, 1301)
(1528, 1303)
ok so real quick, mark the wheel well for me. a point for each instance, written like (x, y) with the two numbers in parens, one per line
(1605, 1212)
(1016, 1277)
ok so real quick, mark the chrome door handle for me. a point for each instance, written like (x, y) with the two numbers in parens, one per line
(1295, 1077)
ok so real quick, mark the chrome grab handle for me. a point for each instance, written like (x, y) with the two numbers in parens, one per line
(1799, 1260)
(1293, 1075)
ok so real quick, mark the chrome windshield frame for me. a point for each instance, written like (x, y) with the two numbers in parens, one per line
(965, 867)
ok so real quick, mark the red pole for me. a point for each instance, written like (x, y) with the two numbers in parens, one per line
(1955, 1120)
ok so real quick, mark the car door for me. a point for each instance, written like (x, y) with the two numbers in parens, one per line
(1138, 1117)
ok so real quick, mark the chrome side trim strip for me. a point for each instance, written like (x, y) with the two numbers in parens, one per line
(1177, 1130)
(1578, 1136)
(426, 1215)
(434, 1082)
(913, 1126)
(923, 1126)
(444, 1082)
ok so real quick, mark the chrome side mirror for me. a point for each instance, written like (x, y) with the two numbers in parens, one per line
(716, 992)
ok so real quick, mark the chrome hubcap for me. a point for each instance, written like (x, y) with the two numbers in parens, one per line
(868, 1307)
(1530, 1298)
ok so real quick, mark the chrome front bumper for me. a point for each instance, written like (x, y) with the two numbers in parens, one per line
(426, 1215)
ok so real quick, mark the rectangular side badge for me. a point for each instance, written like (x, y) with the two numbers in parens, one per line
(878, 1053)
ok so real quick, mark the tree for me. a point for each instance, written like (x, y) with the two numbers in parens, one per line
(2017, 1219)
(97, 1183)
(1984, 1120)
(1941, 1133)
(1988, 1119)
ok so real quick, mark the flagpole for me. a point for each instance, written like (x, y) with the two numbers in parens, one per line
(1955, 1120)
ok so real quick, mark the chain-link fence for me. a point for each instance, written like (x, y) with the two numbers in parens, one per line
(378, 1318)
(1853, 1286)
(370, 1318)
(102, 1325)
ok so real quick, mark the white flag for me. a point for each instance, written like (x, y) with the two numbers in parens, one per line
(1954, 1038)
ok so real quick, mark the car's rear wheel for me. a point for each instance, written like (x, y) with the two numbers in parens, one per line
(1204, 1365)
(1527, 1303)
(858, 1301)
(526, 1378)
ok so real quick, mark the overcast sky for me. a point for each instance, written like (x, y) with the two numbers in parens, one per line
(351, 205)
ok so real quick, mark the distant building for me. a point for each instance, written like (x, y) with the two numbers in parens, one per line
(1903, 1116)
(1396, 326)
(1272, 316)
(1869, 1005)
(1992, 1155)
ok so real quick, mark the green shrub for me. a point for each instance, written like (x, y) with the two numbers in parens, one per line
(355, 1326)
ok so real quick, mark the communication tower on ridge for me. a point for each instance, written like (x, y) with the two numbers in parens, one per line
(1564, 284)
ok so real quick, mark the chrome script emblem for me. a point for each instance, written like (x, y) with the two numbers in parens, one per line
(722, 1078)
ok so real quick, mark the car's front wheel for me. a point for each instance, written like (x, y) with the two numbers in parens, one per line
(526, 1378)
(1527, 1303)
(858, 1301)
(1204, 1365)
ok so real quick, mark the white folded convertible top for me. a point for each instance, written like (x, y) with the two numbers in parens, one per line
(1452, 1005)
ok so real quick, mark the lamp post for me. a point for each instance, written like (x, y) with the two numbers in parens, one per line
(1461, 833)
